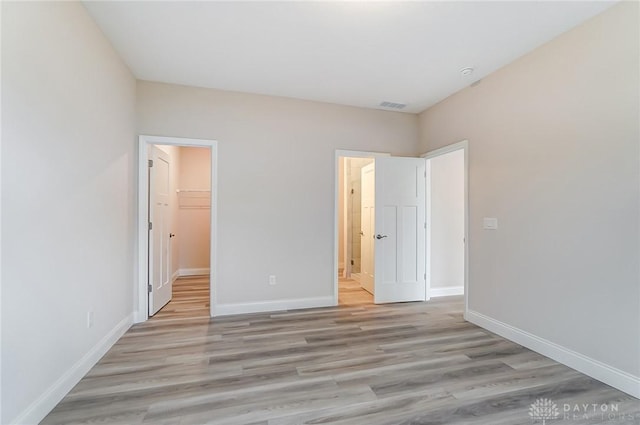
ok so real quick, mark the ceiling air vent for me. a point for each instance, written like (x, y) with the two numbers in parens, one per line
(393, 105)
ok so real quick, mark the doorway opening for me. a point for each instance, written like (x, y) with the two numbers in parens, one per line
(447, 221)
(355, 254)
(416, 225)
(184, 292)
(177, 231)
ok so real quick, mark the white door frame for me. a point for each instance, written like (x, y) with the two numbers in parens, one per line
(336, 235)
(144, 141)
(464, 146)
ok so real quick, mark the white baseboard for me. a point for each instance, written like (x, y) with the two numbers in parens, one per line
(56, 392)
(175, 275)
(267, 306)
(139, 317)
(194, 272)
(610, 375)
(445, 292)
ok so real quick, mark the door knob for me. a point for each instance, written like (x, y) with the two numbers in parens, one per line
(380, 236)
(171, 235)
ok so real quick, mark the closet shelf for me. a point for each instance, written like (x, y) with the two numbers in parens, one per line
(194, 198)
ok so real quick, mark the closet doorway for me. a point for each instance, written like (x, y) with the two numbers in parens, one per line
(177, 217)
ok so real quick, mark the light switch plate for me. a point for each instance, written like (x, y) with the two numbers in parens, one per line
(490, 223)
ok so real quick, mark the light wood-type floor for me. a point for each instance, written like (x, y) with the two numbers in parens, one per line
(350, 293)
(190, 299)
(359, 363)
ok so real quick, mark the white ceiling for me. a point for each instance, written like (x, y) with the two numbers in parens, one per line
(352, 53)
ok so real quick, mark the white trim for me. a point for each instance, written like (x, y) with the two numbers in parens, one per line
(56, 392)
(427, 284)
(144, 141)
(194, 271)
(336, 192)
(446, 292)
(270, 306)
(1, 216)
(175, 275)
(138, 317)
(464, 145)
(610, 375)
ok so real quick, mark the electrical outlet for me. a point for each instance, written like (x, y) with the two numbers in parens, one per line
(272, 279)
(89, 319)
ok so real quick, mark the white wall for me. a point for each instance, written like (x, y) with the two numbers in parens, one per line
(446, 252)
(194, 229)
(68, 134)
(276, 180)
(554, 155)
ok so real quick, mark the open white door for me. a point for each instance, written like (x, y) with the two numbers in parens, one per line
(159, 238)
(367, 226)
(400, 220)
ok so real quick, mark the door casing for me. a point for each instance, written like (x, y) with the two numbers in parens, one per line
(140, 290)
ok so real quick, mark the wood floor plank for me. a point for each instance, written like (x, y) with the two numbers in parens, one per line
(356, 364)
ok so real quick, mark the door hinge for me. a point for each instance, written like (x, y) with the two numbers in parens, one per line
(150, 226)
(425, 225)
(149, 288)
(425, 276)
(150, 163)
